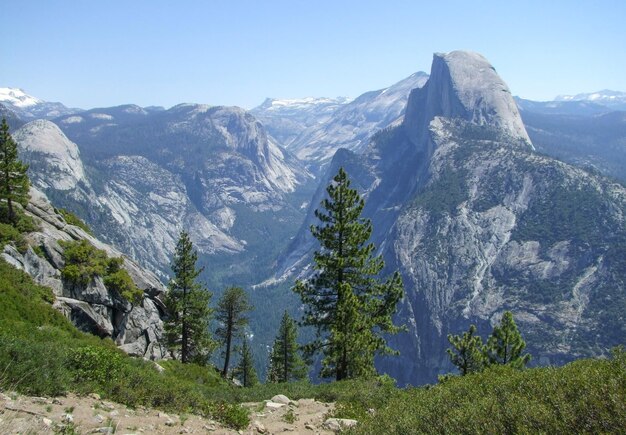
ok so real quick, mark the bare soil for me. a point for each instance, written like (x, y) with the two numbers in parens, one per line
(89, 414)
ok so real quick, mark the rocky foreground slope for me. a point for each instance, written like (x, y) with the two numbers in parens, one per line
(135, 328)
(22, 414)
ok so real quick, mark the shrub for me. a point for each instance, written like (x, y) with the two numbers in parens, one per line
(122, 283)
(84, 262)
(8, 234)
(95, 364)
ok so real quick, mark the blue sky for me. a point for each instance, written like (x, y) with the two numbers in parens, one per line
(231, 52)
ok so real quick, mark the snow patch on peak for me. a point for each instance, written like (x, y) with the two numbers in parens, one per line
(605, 96)
(302, 103)
(18, 98)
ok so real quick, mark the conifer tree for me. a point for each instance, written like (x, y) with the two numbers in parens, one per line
(344, 300)
(14, 182)
(245, 371)
(187, 302)
(505, 344)
(231, 315)
(467, 352)
(285, 363)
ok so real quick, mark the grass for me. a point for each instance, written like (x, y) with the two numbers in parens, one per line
(586, 396)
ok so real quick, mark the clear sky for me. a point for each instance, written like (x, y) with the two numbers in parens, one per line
(237, 52)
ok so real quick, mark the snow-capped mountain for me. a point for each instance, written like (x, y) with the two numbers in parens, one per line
(28, 107)
(285, 119)
(18, 98)
(613, 99)
(349, 125)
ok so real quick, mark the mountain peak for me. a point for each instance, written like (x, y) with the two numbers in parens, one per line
(18, 98)
(463, 84)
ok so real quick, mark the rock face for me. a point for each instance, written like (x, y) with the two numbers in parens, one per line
(350, 125)
(137, 329)
(463, 85)
(478, 223)
(143, 175)
(55, 160)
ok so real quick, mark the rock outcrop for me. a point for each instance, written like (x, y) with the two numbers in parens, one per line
(137, 329)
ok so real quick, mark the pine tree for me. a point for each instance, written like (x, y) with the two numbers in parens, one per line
(346, 303)
(231, 315)
(467, 352)
(285, 363)
(245, 371)
(14, 184)
(187, 302)
(505, 345)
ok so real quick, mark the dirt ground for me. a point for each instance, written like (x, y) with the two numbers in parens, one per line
(34, 415)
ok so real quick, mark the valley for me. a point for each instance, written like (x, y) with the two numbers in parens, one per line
(476, 197)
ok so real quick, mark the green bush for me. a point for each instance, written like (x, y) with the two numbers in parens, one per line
(9, 234)
(122, 283)
(231, 414)
(586, 396)
(95, 364)
(84, 262)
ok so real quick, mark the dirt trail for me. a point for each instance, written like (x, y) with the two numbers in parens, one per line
(90, 414)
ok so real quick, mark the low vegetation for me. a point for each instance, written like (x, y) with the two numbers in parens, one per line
(586, 396)
(84, 262)
(43, 354)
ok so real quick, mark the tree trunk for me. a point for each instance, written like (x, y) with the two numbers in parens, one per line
(229, 336)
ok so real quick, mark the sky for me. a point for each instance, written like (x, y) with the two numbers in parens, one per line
(238, 52)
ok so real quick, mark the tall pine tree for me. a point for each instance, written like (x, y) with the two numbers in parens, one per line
(467, 351)
(244, 371)
(14, 184)
(285, 363)
(344, 300)
(232, 310)
(187, 302)
(505, 344)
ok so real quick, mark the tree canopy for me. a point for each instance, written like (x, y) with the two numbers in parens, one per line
(344, 300)
(14, 183)
(231, 315)
(285, 362)
(505, 344)
(187, 302)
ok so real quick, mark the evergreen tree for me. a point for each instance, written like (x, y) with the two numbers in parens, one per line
(285, 363)
(467, 352)
(346, 303)
(505, 345)
(187, 302)
(245, 371)
(231, 315)
(14, 184)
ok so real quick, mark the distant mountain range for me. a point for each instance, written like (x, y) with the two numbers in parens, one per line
(460, 179)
